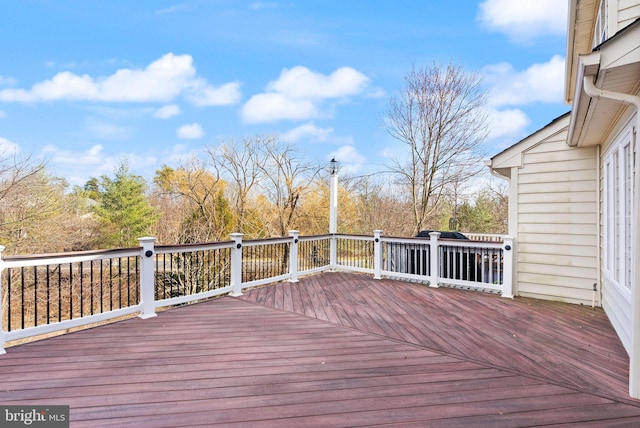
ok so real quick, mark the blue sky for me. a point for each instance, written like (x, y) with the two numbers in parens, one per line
(85, 84)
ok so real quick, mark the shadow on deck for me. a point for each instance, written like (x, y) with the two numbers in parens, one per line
(383, 352)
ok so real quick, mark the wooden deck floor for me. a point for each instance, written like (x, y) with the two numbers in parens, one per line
(335, 349)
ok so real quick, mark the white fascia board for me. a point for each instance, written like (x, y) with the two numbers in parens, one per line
(512, 157)
(588, 65)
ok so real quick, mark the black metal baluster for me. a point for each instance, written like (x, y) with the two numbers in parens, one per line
(196, 272)
(157, 277)
(48, 282)
(80, 268)
(59, 268)
(101, 286)
(22, 295)
(137, 281)
(172, 257)
(9, 299)
(71, 291)
(110, 284)
(91, 286)
(35, 296)
(128, 281)
(119, 282)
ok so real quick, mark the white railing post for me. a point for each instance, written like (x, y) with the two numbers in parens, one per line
(147, 278)
(434, 264)
(333, 201)
(333, 252)
(2, 334)
(377, 254)
(293, 256)
(236, 265)
(507, 267)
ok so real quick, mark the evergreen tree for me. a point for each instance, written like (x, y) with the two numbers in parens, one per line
(123, 207)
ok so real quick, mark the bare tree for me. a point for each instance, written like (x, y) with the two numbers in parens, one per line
(287, 179)
(38, 216)
(439, 116)
(239, 163)
(203, 212)
(14, 169)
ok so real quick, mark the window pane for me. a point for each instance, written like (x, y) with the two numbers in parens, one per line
(628, 209)
(616, 217)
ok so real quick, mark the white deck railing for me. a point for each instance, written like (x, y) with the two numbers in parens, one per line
(42, 294)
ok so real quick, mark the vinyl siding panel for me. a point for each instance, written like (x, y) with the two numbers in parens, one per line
(537, 290)
(569, 165)
(558, 208)
(558, 187)
(573, 197)
(568, 249)
(555, 176)
(628, 11)
(567, 219)
(557, 222)
(554, 260)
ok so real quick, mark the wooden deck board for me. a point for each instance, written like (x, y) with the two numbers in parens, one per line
(335, 349)
(571, 343)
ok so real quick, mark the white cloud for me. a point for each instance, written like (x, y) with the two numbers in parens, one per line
(524, 20)
(2, 114)
(167, 111)
(507, 123)
(388, 152)
(178, 154)
(299, 93)
(300, 82)
(93, 156)
(8, 148)
(182, 7)
(349, 159)
(7, 81)
(539, 83)
(205, 95)
(95, 162)
(312, 133)
(265, 5)
(191, 131)
(273, 107)
(308, 130)
(105, 130)
(161, 81)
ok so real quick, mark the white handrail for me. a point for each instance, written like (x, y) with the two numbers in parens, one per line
(469, 263)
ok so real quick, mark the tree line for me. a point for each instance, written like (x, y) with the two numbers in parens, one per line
(264, 187)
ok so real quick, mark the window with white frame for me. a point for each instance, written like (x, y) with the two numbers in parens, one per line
(600, 31)
(619, 173)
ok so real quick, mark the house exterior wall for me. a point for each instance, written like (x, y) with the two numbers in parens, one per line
(556, 228)
(616, 298)
(627, 12)
(612, 17)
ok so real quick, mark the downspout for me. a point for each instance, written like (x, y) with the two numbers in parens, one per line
(591, 90)
(634, 359)
(597, 286)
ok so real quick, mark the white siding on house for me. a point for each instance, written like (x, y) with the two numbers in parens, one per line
(628, 11)
(557, 221)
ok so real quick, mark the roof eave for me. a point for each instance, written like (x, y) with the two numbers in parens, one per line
(588, 65)
(580, 20)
